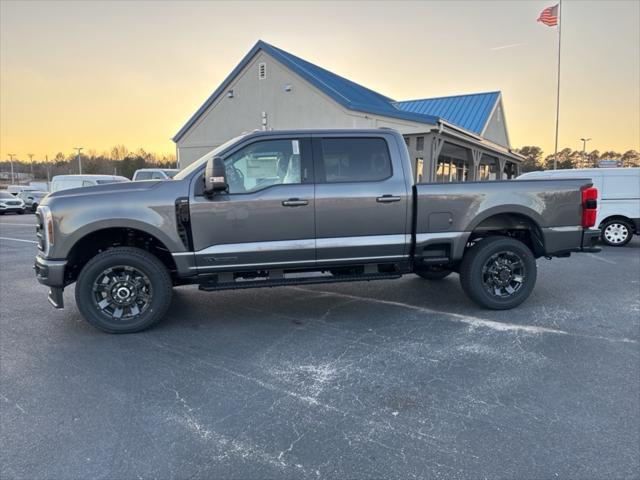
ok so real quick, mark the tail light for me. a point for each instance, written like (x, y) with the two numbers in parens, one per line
(589, 206)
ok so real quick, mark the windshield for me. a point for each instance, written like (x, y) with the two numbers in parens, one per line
(184, 173)
(6, 195)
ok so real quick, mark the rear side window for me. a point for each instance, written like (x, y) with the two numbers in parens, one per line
(355, 160)
(143, 176)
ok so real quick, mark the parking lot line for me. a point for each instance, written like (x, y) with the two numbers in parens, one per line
(18, 240)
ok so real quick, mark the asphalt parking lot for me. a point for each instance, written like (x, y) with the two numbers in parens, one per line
(391, 379)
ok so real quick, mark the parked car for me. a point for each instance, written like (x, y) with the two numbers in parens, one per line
(155, 174)
(618, 199)
(263, 210)
(32, 198)
(16, 189)
(65, 182)
(11, 204)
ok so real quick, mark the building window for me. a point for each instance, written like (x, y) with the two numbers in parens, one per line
(262, 71)
(407, 140)
(419, 143)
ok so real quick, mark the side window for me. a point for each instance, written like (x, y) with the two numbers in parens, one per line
(143, 176)
(87, 183)
(157, 176)
(355, 159)
(264, 163)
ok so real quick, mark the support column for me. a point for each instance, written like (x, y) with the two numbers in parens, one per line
(436, 147)
(501, 163)
(474, 155)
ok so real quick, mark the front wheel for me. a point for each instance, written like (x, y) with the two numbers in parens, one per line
(498, 273)
(616, 233)
(123, 290)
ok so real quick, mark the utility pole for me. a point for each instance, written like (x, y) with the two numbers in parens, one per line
(11, 155)
(79, 149)
(30, 155)
(46, 159)
(584, 149)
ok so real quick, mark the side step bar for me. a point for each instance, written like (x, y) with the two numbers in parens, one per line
(279, 282)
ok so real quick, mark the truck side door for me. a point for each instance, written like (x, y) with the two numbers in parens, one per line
(266, 220)
(362, 199)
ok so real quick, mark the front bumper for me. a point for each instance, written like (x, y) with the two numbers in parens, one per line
(51, 273)
(13, 209)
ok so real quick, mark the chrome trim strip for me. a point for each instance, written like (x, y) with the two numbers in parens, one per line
(276, 264)
(361, 241)
(427, 237)
(573, 228)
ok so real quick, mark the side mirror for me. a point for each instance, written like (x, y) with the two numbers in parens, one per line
(215, 179)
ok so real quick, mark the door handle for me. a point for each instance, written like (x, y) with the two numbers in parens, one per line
(387, 199)
(295, 202)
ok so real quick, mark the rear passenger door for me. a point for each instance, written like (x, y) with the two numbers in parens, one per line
(361, 199)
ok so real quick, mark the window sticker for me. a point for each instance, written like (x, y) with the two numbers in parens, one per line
(295, 145)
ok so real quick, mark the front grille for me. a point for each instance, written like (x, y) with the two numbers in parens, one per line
(12, 202)
(40, 231)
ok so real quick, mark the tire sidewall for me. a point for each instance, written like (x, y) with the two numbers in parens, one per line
(622, 222)
(472, 276)
(138, 259)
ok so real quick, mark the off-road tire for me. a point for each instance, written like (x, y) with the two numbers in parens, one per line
(478, 261)
(148, 265)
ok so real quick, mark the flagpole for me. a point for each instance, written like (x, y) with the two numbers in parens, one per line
(555, 156)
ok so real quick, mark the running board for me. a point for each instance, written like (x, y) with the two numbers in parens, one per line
(280, 282)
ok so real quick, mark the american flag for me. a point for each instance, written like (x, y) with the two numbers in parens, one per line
(549, 16)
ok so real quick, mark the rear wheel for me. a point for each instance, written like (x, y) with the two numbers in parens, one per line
(616, 232)
(498, 273)
(123, 290)
(433, 272)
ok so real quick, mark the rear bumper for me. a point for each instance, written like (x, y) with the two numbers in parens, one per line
(590, 239)
(51, 273)
(562, 241)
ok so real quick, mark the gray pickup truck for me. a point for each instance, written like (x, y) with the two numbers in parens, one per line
(301, 207)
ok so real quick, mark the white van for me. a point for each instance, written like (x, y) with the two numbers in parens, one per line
(64, 182)
(618, 199)
(155, 174)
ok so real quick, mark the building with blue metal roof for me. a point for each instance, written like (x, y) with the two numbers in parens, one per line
(455, 138)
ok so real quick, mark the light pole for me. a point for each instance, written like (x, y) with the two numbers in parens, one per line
(79, 149)
(11, 155)
(584, 148)
(46, 159)
(30, 155)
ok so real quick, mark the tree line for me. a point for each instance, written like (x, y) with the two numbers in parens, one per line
(568, 158)
(118, 161)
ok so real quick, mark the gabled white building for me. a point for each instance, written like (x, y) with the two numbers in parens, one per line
(455, 138)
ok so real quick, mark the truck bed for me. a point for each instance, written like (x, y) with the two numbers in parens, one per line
(447, 213)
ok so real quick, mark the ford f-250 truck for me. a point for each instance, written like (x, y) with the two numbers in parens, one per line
(301, 207)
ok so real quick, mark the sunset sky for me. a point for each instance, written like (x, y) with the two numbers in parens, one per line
(96, 74)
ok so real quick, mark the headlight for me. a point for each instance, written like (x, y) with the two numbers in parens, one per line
(48, 222)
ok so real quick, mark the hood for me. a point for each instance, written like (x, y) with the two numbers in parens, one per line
(108, 188)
